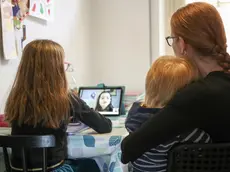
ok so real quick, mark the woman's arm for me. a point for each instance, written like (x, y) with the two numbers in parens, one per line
(157, 130)
(93, 119)
(185, 112)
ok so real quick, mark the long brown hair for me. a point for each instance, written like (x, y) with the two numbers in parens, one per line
(39, 94)
(166, 76)
(201, 26)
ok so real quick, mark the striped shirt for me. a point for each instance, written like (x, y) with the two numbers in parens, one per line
(155, 160)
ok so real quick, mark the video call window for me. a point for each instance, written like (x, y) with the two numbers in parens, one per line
(105, 101)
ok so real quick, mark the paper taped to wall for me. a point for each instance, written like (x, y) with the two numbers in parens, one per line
(43, 9)
(8, 34)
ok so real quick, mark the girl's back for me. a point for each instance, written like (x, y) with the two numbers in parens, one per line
(40, 104)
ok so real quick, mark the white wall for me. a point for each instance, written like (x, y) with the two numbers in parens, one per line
(70, 28)
(121, 49)
(105, 40)
(120, 42)
(167, 8)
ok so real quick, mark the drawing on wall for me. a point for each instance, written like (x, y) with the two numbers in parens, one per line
(43, 9)
(20, 11)
(8, 34)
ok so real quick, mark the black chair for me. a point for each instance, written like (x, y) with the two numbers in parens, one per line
(199, 158)
(25, 143)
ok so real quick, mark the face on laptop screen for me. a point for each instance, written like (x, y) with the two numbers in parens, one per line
(105, 101)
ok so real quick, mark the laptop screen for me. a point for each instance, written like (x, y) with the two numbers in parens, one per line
(107, 101)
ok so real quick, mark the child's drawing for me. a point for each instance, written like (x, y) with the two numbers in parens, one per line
(42, 9)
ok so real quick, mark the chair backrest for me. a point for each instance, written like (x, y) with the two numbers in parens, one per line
(23, 143)
(199, 158)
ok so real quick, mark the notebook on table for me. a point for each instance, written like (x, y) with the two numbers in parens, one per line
(74, 128)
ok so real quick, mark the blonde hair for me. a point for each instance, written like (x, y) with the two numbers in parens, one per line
(39, 94)
(166, 76)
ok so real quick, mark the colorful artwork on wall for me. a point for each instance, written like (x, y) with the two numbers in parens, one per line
(20, 11)
(8, 34)
(43, 9)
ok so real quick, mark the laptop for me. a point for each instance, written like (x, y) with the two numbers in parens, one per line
(106, 101)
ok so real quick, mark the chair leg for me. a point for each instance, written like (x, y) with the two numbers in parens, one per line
(24, 161)
(44, 152)
(6, 160)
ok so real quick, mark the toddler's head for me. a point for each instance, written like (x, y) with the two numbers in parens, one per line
(166, 76)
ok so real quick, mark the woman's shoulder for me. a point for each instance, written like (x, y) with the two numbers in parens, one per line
(207, 86)
(195, 87)
(204, 90)
(195, 92)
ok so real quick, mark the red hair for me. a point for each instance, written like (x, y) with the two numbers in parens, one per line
(201, 26)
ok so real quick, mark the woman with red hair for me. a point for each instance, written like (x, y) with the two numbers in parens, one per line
(197, 32)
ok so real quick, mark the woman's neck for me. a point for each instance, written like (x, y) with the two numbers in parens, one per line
(207, 66)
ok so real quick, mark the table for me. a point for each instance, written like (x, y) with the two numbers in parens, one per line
(103, 148)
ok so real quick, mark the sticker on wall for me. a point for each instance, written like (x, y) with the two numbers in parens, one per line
(42, 9)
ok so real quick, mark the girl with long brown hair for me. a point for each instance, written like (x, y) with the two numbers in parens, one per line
(197, 32)
(40, 103)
